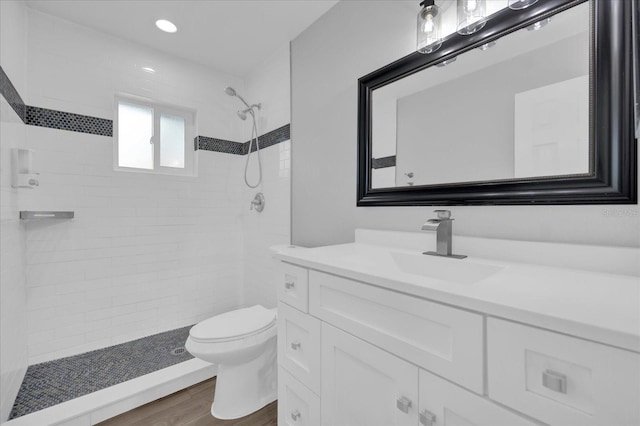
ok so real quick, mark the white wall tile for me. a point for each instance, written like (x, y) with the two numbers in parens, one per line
(145, 253)
(13, 297)
(268, 84)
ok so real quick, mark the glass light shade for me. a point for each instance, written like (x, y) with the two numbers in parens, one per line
(472, 16)
(429, 28)
(521, 4)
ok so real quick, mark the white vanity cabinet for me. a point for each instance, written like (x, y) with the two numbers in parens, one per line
(359, 352)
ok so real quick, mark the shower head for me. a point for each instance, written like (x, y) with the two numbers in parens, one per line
(230, 91)
(242, 115)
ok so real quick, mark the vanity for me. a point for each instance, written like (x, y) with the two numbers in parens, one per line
(376, 333)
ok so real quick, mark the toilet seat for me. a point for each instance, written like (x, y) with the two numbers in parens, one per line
(234, 325)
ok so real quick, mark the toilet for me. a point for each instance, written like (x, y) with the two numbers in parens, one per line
(243, 345)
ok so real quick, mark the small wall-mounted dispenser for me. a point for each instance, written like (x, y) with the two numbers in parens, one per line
(22, 172)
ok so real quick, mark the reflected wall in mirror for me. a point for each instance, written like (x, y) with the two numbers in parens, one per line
(524, 119)
(518, 109)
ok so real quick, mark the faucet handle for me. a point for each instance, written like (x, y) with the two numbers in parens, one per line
(443, 214)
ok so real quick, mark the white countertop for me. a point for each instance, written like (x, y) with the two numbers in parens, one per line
(599, 306)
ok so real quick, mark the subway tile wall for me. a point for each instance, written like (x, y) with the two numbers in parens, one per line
(145, 253)
(13, 300)
(270, 85)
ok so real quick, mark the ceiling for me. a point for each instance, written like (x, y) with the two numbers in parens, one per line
(232, 36)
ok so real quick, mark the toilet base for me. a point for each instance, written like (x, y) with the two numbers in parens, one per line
(246, 388)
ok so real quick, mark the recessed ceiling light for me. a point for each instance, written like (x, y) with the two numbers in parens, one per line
(149, 70)
(166, 26)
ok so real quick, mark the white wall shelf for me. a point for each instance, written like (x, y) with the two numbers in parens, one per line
(36, 215)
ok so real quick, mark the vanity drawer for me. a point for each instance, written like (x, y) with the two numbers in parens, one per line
(293, 285)
(299, 345)
(438, 338)
(562, 380)
(297, 405)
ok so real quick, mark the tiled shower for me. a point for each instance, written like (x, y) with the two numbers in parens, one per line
(145, 253)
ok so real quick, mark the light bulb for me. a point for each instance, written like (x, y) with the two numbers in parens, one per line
(428, 25)
(428, 39)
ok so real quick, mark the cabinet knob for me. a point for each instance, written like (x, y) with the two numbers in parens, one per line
(427, 418)
(289, 284)
(555, 381)
(296, 345)
(403, 403)
(295, 415)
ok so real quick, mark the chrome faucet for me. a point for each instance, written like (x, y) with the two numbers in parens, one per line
(443, 227)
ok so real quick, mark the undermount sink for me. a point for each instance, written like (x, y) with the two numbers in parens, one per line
(454, 270)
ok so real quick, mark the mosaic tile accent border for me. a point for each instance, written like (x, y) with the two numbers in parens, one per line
(61, 120)
(206, 143)
(11, 95)
(271, 138)
(54, 119)
(381, 163)
(53, 382)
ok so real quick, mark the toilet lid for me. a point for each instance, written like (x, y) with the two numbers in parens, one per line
(234, 324)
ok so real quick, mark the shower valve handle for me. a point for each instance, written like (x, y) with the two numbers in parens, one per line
(258, 202)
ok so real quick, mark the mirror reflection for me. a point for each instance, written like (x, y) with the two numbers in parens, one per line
(517, 109)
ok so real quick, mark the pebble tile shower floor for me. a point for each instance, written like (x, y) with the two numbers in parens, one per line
(57, 381)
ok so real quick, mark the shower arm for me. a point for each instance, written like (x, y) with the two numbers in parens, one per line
(243, 101)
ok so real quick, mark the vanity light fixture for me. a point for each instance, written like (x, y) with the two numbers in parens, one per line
(540, 24)
(521, 4)
(429, 27)
(472, 16)
(166, 26)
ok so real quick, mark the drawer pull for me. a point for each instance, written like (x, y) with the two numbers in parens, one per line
(427, 418)
(295, 345)
(289, 284)
(403, 403)
(295, 415)
(555, 381)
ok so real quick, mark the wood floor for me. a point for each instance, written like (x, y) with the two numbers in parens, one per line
(190, 407)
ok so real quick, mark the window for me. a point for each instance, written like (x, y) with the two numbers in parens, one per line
(153, 138)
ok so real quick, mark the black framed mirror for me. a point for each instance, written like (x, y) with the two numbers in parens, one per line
(514, 163)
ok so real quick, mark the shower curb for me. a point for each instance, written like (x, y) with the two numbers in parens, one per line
(99, 406)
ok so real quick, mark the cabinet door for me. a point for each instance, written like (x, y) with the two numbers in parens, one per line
(444, 404)
(364, 385)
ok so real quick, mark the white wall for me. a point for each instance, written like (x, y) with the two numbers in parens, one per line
(463, 142)
(326, 60)
(145, 253)
(13, 301)
(270, 85)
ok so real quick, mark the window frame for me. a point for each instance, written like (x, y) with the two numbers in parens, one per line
(158, 109)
